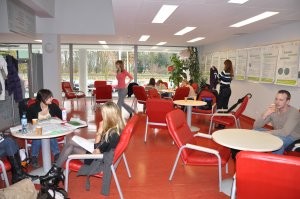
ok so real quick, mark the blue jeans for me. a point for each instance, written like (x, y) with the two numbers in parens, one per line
(287, 140)
(36, 145)
(8, 147)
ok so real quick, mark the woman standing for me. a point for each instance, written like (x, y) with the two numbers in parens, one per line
(225, 78)
(122, 86)
(41, 110)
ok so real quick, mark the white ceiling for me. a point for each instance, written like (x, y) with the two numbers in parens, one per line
(132, 18)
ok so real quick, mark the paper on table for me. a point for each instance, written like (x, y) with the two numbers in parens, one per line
(77, 123)
(84, 143)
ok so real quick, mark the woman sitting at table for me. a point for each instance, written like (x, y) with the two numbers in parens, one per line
(151, 84)
(43, 109)
(106, 140)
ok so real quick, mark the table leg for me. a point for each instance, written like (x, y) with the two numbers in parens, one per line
(189, 119)
(46, 160)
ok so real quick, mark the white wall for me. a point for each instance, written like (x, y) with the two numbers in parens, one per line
(263, 94)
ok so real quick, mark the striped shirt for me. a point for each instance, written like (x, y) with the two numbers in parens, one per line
(224, 78)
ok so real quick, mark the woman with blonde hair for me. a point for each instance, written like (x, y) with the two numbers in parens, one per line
(106, 138)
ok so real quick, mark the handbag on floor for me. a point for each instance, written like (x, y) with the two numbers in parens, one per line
(23, 189)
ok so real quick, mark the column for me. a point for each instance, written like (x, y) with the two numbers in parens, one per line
(83, 70)
(52, 64)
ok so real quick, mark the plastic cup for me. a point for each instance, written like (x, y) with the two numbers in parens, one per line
(185, 99)
(39, 130)
(195, 98)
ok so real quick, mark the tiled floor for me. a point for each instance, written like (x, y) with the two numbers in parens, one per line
(150, 164)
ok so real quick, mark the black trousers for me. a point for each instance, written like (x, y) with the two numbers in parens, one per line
(223, 98)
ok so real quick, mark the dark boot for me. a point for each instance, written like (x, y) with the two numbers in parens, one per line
(53, 177)
(16, 168)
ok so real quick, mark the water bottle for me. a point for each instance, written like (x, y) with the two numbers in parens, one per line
(24, 123)
(64, 114)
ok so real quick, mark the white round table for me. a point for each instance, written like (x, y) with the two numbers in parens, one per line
(247, 140)
(45, 138)
(189, 104)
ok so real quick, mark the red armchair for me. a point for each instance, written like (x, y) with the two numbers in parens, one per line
(266, 175)
(103, 94)
(198, 149)
(73, 163)
(156, 113)
(229, 119)
(70, 94)
(140, 96)
(5, 166)
(202, 96)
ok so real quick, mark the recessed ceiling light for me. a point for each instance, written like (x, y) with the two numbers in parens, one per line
(161, 43)
(254, 19)
(196, 39)
(164, 12)
(238, 1)
(38, 40)
(185, 30)
(102, 42)
(144, 37)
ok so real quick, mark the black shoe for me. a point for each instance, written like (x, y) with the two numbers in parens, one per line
(34, 162)
(53, 177)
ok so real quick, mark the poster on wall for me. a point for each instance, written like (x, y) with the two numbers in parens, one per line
(241, 64)
(254, 64)
(288, 64)
(268, 63)
(216, 60)
(208, 63)
(223, 57)
(231, 54)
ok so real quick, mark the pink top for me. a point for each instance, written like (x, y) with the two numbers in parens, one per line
(121, 78)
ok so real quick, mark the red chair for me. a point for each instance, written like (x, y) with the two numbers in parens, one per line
(140, 96)
(60, 140)
(97, 83)
(203, 95)
(181, 93)
(166, 84)
(229, 119)
(156, 112)
(70, 94)
(73, 163)
(195, 149)
(153, 94)
(103, 94)
(266, 175)
(195, 87)
(5, 166)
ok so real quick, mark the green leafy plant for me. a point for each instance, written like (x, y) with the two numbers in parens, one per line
(178, 72)
(194, 68)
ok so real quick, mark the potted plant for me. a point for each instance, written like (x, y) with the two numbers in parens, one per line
(178, 72)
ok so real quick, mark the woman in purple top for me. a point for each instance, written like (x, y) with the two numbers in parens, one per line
(122, 86)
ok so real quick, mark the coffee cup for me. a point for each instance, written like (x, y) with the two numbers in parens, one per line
(39, 130)
(34, 121)
(185, 99)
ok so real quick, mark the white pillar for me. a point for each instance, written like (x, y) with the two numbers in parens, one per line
(83, 70)
(52, 64)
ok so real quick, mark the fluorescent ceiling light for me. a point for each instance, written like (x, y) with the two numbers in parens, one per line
(185, 30)
(238, 1)
(102, 42)
(161, 43)
(38, 40)
(254, 19)
(164, 12)
(196, 39)
(144, 37)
